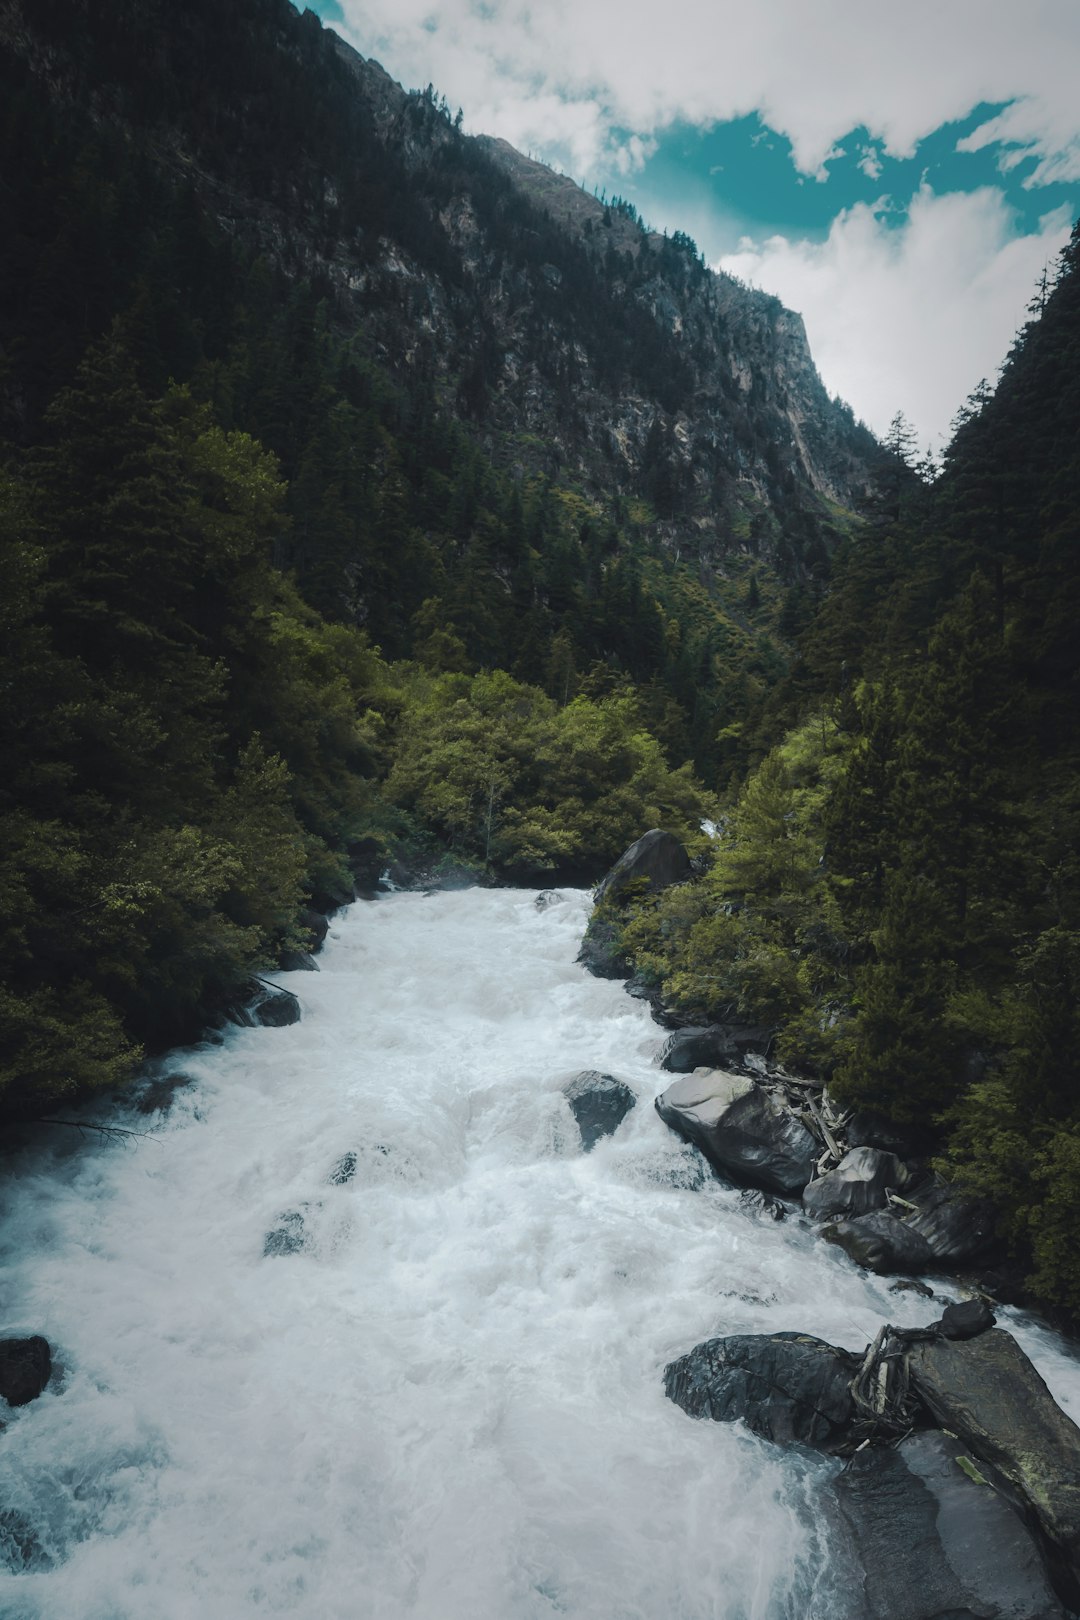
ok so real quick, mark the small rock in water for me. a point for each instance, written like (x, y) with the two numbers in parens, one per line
(25, 1367)
(288, 1236)
(761, 1204)
(599, 1103)
(911, 1285)
(343, 1171)
(546, 898)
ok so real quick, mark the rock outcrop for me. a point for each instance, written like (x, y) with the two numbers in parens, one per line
(655, 861)
(933, 1538)
(986, 1391)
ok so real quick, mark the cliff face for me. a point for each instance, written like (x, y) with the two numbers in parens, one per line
(577, 342)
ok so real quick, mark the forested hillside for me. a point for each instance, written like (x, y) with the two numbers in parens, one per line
(897, 889)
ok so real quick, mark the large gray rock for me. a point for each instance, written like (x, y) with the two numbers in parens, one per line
(881, 1242)
(710, 1046)
(933, 1541)
(788, 1387)
(959, 1230)
(599, 1103)
(857, 1184)
(25, 1367)
(742, 1129)
(986, 1391)
(657, 858)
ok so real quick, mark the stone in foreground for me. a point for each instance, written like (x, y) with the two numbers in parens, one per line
(857, 1185)
(657, 859)
(25, 1367)
(934, 1540)
(599, 1103)
(787, 1387)
(986, 1391)
(742, 1129)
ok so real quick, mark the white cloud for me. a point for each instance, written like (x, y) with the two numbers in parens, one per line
(909, 317)
(561, 75)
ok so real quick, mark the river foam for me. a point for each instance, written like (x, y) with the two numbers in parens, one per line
(359, 1333)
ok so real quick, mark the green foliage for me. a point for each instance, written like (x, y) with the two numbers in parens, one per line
(506, 776)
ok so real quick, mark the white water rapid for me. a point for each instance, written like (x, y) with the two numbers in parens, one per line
(447, 1404)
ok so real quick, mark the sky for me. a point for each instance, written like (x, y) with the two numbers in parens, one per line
(900, 175)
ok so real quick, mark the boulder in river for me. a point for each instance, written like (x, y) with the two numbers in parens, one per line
(655, 861)
(857, 1184)
(933, 1538)
(25, 1368)
(599, 1103)
(600, 951)
(941, 1231)
(787, 1387)
(710, 1046)
(986, 1391)
(882, 1242)
(265, 1003)
(743, 1129)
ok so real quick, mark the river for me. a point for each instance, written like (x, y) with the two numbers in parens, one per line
(438, 1395)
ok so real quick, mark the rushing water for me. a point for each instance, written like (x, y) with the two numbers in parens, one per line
(447, 1404)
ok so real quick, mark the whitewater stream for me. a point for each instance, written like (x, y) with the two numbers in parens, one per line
(358, 1332)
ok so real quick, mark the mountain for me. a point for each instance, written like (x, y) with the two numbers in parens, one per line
(577, 343)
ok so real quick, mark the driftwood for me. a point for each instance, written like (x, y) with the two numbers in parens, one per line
(113, 1133)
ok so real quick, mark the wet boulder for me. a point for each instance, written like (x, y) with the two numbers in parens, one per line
(959, 1230)
(599, 1103)
(933, 1538)
(25, 1368)
(743, 1130)
(857, 1185)
(265, 1004)
(761, 1203)
(986, 1392)
(600, 950)
(710, 1046)
(966, 1319)
(316, 925)
(881, 1242)
(787, 1387)
(655, 861)
(547, 898)
(297, 962)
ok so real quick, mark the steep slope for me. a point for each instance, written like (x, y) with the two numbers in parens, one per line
(580, 345)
